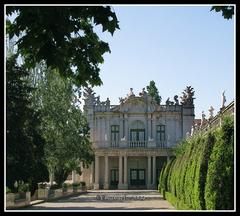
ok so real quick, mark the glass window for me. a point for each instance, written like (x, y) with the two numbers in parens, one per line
(115, 133)
(161, 132)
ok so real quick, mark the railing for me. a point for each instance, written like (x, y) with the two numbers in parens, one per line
(131, 144)
(114, 144)
(137, 144)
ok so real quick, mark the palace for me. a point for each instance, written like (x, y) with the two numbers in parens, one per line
(133, 139)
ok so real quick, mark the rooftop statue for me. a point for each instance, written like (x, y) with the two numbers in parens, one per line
(203, 118)
(187, 98)
(176, 100)
(131, 94)
(211, 109)
(107, 102)
(168, 101)
(89, 96)
(223, 99)
(143, 92)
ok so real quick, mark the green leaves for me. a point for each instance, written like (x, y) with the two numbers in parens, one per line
(63, 37)
(153, 92)
(202, 175)
(227, 11)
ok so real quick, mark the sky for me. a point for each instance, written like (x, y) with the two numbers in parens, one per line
(176, 46)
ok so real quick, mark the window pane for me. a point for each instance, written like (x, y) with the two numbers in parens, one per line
(134, 174)
(141, 175)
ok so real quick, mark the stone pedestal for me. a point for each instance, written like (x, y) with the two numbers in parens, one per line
(96, 186)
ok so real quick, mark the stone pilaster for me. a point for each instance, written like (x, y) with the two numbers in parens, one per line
(154, 173)
(149, 173)
(120, 184)
(96, 182)
(106, 184)
(125, 182)
(73, 176)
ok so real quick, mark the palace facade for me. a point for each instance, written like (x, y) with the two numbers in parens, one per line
(133, 139)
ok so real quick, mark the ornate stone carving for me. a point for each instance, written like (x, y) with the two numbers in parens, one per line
(176, 100)
(168, 101)
(223, 99)
(187, 98)
(211, 109)
(89, 96)
(203, 119)
(143, 93)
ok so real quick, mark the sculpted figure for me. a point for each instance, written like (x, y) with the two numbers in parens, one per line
(176, 100)
(168, 101)
(107, 102)
(223, 99)
(211, 109)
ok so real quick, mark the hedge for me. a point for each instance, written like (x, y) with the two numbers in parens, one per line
(201, 176)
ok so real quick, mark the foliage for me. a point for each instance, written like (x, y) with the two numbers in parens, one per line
(24, 146)
(153, 92)
(227, 11)
(8, 190)
(64, 38)
(219, 188)
(64, 127)
(201, 176)
(76, 184)
(20, 186)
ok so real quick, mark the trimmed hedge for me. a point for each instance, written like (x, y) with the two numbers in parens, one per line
(201, 176)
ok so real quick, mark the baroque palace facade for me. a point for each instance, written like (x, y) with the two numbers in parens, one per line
(133, 139)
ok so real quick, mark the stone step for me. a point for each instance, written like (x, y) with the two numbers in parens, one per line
(117, 195)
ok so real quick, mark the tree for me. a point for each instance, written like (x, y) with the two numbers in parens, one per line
(153, 92)
(63, 37)
(64, 127)
(227, 11)
(24, 146)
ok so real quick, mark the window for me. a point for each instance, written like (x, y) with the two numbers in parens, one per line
(161, 135)
(114, 135)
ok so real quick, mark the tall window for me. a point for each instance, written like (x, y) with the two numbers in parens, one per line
(114, 135)
(161, 135)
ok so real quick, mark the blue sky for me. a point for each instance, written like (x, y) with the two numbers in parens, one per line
(175, 46)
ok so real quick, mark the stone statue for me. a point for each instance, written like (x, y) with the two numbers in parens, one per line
(192, 130)
(176, 100)
(223, 99)
(203, 118)
(168, 101)
(89, 96)
(107, 102)
(121, 100)
(187, 98)
(143, 93)
(211, 112)
(131, 93)
(98, 100)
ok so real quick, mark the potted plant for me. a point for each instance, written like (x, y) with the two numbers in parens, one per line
(75, 186)
(83, 186)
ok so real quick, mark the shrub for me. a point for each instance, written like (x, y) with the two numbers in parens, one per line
(219, 187)
(76, 184)
(8, 190)
(55, 186)
(82, 184)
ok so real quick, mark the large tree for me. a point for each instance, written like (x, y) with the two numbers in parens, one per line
(153, 92)
(63, 37)
(24, 148)
(64, 127)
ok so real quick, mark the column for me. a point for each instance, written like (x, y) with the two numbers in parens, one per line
(149, 173)
(96, 183)
(73, 176)
(106, 184)
(91, 181)
(125, 173)
(51, 178)
(154, 172)
(81, 166)
(120, 173)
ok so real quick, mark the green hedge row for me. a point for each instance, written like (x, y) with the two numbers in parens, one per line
(202, 176)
